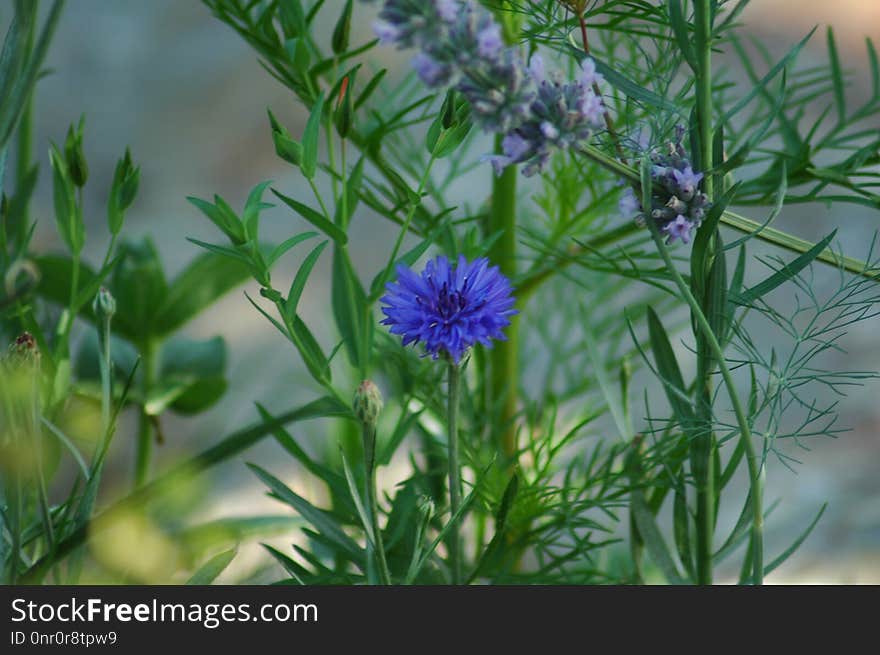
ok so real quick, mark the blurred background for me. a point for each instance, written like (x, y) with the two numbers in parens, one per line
(190, 99)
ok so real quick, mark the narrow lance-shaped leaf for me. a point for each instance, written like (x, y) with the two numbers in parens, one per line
(342, 31)
(322, 520)
(212, 568)
(667, 368)
(837, 77)
(310, 139)
(314, 217)
(783, 275)
(299, 281)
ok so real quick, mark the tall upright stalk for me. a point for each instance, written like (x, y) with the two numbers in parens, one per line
(144, 452)
(454, 470)
(752, 460)
(24, 145)
(702, 455)
(369, 440)
(504, 356)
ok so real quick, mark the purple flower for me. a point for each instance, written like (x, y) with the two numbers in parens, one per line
(589, 76)
(549, 131)
(448, 10)
(449, 308)
(515, 149)
(680, 228)
(388, 34)
(687, 182)
(489, 43)
(431, 71)
(629, 205)
(536, 68)
(592, 109)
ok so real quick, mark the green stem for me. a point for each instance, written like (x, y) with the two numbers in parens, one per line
(37, 435)
(14, 515)
(320, 200)
(404, 230)
(105, 377)
(703, 446)
(755, 490)
(144, 451)
(504, 356)
(454, 471)
(373, 503)
(24, 145)
(105, 365)
(703, 33)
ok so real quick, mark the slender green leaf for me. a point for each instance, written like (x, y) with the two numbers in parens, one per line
(314, 217)
(321, 520)
(837, 77)
(783, 275)
(772, 566)
(209, 571)
(310, 139)
(299, 281)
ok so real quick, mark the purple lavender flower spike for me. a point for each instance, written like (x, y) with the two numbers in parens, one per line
(449, 308)
(563, 115)
(680, 228)
(461, 46)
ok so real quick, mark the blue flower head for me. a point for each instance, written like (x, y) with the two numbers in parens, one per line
(449, 307)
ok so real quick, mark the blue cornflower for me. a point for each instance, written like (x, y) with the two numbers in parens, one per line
(449, 307)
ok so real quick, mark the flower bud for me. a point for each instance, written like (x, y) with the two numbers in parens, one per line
(126, 179)
(286, 146)
(342, 31)
(344, 114)
(104, 305)
(74, 156)
(368, 403)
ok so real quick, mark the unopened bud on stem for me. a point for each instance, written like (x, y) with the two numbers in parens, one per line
(368, 403)
(104, 305)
